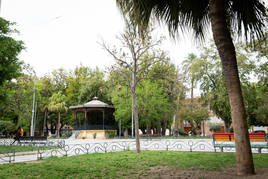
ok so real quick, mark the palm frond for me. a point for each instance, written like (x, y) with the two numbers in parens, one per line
(246, 17)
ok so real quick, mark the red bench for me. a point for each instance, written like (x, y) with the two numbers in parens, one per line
(226, 140)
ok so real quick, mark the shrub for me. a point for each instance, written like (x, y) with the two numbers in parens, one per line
(7, 127)
(215, 128)
(110, 134)
(94, 135)
(182, 132)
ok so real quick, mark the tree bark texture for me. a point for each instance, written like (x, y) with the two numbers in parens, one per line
(45, 122)
(164, 127)
(134, 107)
(148, 129)
(226, 49)
(136, 120)
(227, 127)
(58, 125)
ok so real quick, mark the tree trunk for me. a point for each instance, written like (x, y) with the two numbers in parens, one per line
(148, 129)
(226, 49)
(192, 92)
(136, 120)
(158, 128)
(198, 131)
(227, 126)
(164, 127)
(125, 133)
(45, 122)
(143, 130)
(135, 109)
(58, 126)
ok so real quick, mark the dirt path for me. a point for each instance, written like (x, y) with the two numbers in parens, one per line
(172, 172)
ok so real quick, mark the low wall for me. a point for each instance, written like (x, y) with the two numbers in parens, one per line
(96, 134)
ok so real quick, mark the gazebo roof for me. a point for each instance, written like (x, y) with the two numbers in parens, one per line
(95, 103)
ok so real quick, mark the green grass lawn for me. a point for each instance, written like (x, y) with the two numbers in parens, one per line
(6, 149)
(123, 164)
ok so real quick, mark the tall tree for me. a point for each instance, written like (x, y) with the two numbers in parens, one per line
(10, 65)
(213, 86)
(57, 103)
(94, 85)
(75, 81)
(19, 100)
(194, 114)
(191, 67)
(223, 15)
(153, 104)
(134, 57)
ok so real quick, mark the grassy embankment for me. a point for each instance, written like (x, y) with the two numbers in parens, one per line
(123, 164)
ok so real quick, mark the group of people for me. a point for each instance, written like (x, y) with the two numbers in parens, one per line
(19, 133)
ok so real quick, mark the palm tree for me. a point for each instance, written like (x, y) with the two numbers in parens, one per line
(57, 104)
(191, 66)
(242, 16)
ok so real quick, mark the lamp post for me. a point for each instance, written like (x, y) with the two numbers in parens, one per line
(34, 107)
(33, 113)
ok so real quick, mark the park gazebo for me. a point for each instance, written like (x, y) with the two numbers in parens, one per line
(94, 120)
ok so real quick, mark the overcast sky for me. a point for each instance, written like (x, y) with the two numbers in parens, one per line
(64, 33)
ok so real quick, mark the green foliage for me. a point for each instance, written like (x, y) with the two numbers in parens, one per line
(191, 66)
(57, 102)
(182, 132)
(215, 128)
(122, 102)
(157, 94)
(214, 90)
(153, 103)
(193, 16)
(18, 105)
(94, 135)
(194, 114)
(110, 134)
(95, 85)
(7, 127)
(75, 82)
(10, 66)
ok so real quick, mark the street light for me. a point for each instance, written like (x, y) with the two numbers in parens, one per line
(32, 121)
(33, 111)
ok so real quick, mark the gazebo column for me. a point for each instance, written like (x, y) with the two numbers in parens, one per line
(85, 122)
(75, 120)
(103, 117)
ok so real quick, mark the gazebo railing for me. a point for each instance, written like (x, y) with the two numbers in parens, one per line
(95, 127)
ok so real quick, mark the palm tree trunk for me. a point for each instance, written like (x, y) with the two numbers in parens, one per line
(226, 49)
(58, 125)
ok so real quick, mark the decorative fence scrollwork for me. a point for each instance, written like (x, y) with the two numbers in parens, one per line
(60, 148)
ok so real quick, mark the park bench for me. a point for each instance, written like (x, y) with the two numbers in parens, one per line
(226, 140)
(29, 140)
